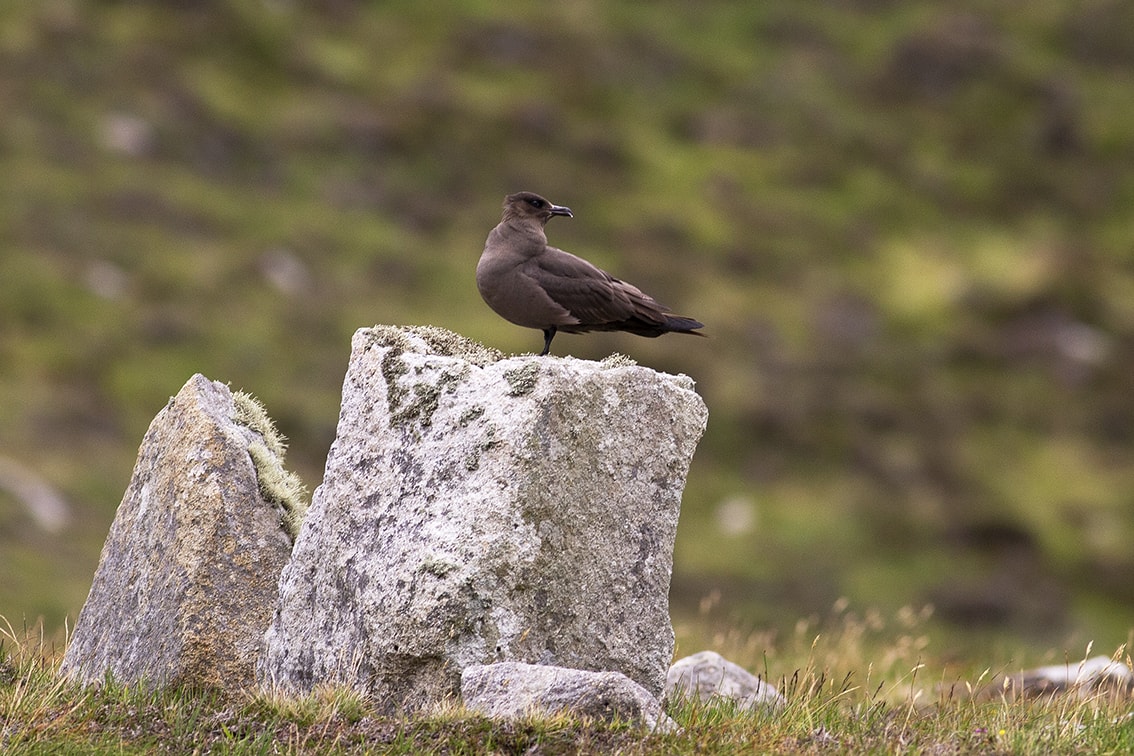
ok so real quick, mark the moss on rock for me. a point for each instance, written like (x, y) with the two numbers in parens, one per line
(280, 486)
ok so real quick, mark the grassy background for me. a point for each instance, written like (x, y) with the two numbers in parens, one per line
(907, 227)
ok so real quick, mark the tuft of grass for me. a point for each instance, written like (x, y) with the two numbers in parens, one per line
(846, 689)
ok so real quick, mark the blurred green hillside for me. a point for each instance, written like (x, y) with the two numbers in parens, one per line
(908, 227)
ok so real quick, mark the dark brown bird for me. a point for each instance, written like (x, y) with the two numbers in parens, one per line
(536, 286)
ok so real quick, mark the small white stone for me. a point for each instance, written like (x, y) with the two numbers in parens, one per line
(707, 675)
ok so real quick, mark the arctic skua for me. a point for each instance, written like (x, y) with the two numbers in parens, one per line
(534, 285)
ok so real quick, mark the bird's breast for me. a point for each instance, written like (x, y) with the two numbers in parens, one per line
(509, 288)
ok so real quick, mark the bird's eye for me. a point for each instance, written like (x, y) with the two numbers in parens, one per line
(536, 203)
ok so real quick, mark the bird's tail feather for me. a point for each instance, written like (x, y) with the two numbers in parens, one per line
(678, 324)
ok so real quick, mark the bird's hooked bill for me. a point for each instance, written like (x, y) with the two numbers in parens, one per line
(560, 210)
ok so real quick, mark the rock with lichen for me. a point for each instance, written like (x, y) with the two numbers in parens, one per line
(477, 509)
(188, 576)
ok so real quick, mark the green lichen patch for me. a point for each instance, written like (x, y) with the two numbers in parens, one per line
(417, 402)
(439, 566)
(472, 462)
(278, 485)
(410, 402)
(449, 344)
(393, 368)
(617, 360)
(472, 414)
(436, 340)
(388, 336)
(421, 407)
(522, 380)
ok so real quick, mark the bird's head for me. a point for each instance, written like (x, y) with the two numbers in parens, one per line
(525, 205)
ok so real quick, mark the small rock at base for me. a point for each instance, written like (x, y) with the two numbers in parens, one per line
(707, 675)
(512, 690)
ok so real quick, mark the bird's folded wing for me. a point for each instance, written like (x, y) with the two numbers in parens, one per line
(592, 295)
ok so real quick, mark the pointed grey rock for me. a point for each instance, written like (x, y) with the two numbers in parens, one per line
(188, 575)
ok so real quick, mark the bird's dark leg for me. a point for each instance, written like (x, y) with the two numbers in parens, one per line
(548, 335)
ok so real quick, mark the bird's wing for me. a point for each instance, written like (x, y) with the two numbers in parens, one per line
(591, 294)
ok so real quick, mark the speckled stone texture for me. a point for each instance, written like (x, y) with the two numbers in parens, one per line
(188, 576)
(477, 509)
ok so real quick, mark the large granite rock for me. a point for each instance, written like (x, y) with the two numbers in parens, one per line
(477, 509)
(188, 576)
(514, 690)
